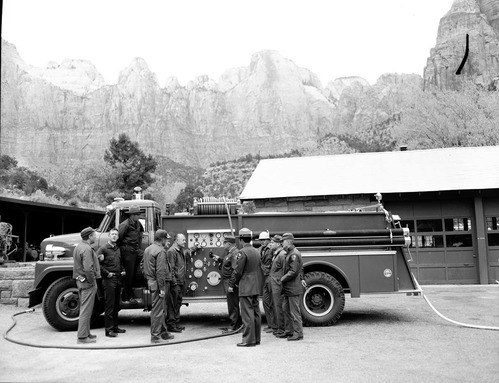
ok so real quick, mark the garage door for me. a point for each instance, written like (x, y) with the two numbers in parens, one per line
(442, 248)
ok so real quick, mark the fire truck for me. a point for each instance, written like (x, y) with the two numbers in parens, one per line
(349, 252)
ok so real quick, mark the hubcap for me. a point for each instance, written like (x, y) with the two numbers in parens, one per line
(68, 304)
(318, 300)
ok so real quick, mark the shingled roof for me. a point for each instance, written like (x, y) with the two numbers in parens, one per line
(475, 168)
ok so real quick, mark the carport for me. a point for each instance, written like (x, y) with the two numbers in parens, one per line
(34, 221)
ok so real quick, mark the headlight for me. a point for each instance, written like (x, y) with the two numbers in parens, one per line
(53, 252)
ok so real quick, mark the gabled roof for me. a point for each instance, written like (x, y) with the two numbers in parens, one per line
(368, 173)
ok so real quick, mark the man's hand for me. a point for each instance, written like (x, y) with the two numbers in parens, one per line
(123, 273)
(161, 293)
(303, 283)
(230, 289)
(110, 275)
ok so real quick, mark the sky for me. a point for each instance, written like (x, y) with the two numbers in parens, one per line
(189, 38)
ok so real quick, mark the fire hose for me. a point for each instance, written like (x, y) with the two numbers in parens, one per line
(145, 345)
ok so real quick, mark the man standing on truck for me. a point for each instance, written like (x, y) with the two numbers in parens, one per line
(156, 272)
(248, 276)
(266, 263)
(130, 239)
(175, 256)
(112, 269)
(292, 288)
(86, 271)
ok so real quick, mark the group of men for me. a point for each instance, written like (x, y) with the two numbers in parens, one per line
(277, 266)
(280, 265)
(163, 269)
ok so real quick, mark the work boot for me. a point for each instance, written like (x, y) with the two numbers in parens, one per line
(167, 336)
(158, 340)
(174, 329)
(92, 336)
(86, 340)
(268, 330)
(119, 330)
(111, 334)
(284, 335)
(295, 337)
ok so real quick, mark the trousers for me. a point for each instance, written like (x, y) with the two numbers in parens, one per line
(268, 304)
(111, 288)
(130, 256)
(87, 298)
(292, 314)
(250, 314)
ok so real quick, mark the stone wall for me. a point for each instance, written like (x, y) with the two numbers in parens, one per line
(15, 282)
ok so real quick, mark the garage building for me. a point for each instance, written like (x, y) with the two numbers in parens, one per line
(448, 198)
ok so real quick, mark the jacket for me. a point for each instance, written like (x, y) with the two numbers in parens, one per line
(291, 280)
(248, 274)
(156, 268)
(86, 263)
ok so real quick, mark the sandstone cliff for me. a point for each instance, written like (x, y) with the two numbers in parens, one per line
(480, 20)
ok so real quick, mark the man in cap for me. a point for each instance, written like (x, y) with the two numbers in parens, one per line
(266, 262)
(86, 271)
(276, 273)
(228, 265)
(156, 272)
(130, 239)
(248, 276)
(292, 288)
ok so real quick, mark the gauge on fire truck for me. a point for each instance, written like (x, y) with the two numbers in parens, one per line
(198, 273)
(213, 278)
(198, 264)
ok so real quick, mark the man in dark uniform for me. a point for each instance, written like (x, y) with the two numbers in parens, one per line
(111, 269)
(156, 272)
(276, 273)
(228, 268)
(175, 256)
(130, 239)
(292, 288)
(248, 277)
(86, 271)
(266, 262)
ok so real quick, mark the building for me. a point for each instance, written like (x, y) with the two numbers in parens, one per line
(448, 198)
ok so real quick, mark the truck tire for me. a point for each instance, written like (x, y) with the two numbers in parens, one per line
(61, 305)
(323, 301)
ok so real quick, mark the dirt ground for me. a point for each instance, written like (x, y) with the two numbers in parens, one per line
(379, 338)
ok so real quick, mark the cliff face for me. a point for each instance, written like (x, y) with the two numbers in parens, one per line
(480, 20)
(65, 113)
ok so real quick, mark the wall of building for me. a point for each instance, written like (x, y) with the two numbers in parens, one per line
(15, 282)
(318, 204)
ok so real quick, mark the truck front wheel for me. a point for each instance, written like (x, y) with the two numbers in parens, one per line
(323, 300)
(61, 305)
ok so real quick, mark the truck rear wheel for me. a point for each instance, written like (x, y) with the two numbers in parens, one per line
(61, 305)
(323, 300)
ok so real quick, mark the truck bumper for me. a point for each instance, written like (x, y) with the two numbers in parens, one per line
(35, 297)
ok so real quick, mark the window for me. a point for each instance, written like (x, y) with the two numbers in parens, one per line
(429, 225)
(429, 241)
(457, 224)
(493, 231)
(408, 224)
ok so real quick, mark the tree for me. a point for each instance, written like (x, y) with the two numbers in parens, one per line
(130, 166)
(185, 199)
(447, 118)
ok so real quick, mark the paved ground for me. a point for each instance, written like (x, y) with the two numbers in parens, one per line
(381, 338)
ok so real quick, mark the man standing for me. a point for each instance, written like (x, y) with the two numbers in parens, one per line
(266, 263)
(175, 256)
(86, 271)
(228, 265)
(292, 288)
(276, 273)
(156, 271)
(248, 276)
(112, 269)
(130, 239)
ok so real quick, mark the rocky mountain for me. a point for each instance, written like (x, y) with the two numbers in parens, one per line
(479, 19)
(64, 114)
